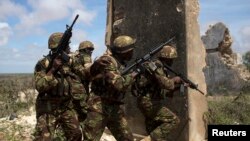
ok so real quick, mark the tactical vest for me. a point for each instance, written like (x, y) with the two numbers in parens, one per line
(145, 84)
(69, 84)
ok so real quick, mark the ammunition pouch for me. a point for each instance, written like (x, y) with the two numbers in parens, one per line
(46, 104)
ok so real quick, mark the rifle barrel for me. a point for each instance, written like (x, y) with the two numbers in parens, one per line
(185, 79)
(74, 21)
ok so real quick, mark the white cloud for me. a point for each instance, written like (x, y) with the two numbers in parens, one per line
(45, 11)
(32, 17)
(10, 8)
(24, 60)
(245, 31)
(74, 47)
(245, 38)
(30, 53)
(78, 36)
(5, 32)
(85, 16)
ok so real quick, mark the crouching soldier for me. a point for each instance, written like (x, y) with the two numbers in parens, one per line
(151, 86)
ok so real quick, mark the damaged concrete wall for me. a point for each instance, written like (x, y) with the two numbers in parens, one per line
(223, 73)
(152, 23)
(197, 104)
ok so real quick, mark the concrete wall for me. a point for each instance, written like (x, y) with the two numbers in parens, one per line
(197, 104)
(153, 22)
(222, 72)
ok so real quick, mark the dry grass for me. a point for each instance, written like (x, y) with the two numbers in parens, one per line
(10, 86)
(229, 109)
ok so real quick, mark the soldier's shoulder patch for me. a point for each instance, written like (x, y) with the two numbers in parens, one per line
(44, 62)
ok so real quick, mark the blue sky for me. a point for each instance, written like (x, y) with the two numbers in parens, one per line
(25, 26)
(234, 14)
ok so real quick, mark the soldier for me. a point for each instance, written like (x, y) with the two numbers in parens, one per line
(151, 86)
(57, 87)
(85, 51)
(107, 93)
(82, 63)
(84, 57)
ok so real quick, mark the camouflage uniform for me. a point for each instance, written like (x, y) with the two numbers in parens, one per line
(83, 58)
(107, 92)
(84, 53)
(152, 86)
(54, 105)
(82, 64)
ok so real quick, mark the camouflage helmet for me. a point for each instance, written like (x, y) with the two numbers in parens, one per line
(168, 52)
(86, 44)
(54, 40)
(123, 44)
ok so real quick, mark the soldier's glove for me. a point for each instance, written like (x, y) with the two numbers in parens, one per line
(57, 63)
(134, 74)
(177, 80)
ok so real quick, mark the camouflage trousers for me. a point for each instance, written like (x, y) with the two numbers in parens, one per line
(104, 114)
(48, 122)
(159, 120)
(80, 107)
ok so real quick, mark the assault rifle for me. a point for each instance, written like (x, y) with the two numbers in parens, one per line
(63, 45)
(146, 57)
(192, 85)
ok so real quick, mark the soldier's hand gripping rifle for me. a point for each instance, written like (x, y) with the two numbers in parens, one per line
(63, 45)
(146, 57)
(192, 85)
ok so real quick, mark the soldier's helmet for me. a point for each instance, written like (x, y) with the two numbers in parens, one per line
(168, 52)
(123, 44)
(86, 44)
(54, 40)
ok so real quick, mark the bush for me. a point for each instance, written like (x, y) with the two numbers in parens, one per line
(246, 59)
(228, 110)
(11, 84)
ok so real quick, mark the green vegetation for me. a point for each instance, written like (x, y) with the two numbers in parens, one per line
(11, 85)
(246, 59)
(229, 109)
(226, 109)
